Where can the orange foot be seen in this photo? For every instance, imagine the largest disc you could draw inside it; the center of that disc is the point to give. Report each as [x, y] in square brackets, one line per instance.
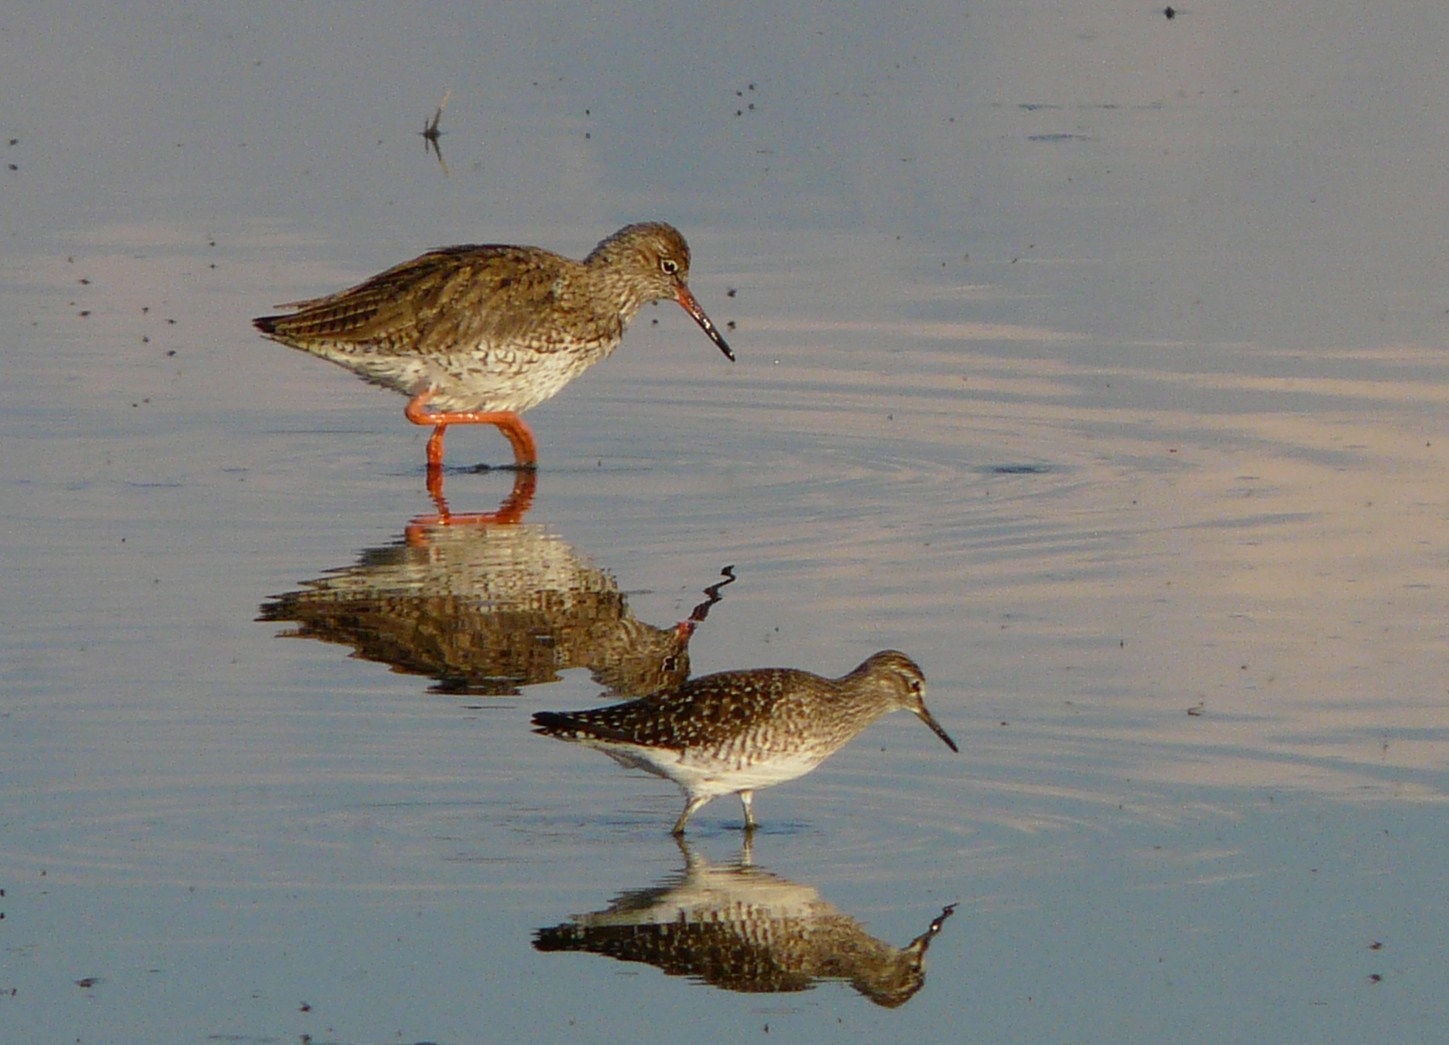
[525, 451]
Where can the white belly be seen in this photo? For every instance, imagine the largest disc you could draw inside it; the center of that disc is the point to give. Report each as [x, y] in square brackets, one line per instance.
[699, 773]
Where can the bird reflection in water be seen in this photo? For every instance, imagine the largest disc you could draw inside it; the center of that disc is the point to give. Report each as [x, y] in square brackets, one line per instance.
[741, 928]
[488, 609]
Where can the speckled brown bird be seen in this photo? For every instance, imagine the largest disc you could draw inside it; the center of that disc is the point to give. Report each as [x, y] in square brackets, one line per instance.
[738, 731]
[478, 334]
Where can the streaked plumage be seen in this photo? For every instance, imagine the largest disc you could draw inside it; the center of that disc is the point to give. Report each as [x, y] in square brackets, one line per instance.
[738, 731]
[478, 334]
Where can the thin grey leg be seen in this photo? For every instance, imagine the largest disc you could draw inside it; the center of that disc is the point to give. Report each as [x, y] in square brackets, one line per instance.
[690, 808]
[747, 799]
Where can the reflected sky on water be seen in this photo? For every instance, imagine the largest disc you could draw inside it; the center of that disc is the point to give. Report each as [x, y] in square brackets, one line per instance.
[1093, 359]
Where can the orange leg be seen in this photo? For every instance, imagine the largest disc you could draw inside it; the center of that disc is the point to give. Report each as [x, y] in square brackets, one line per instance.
[525, 452]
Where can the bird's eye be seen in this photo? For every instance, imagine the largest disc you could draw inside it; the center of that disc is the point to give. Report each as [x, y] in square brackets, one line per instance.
[669, 266]
[916, 686]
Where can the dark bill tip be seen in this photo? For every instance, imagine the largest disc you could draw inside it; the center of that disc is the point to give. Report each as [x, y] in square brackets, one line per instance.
[929, 720]
[692, 307]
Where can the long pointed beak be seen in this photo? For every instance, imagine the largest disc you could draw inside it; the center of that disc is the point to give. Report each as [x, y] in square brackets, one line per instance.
[926, 717]
[692, 307]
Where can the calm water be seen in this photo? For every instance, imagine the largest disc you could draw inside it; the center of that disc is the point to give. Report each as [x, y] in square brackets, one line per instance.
[1090, 357]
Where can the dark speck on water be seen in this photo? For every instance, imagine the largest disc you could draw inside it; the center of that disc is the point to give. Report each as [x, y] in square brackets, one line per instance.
[1019, 469]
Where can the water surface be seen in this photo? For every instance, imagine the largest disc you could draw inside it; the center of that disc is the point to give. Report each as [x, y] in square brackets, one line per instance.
[1091, 358]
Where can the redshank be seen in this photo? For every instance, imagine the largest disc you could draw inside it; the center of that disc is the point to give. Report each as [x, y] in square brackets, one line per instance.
[478, 334]
[738, 731]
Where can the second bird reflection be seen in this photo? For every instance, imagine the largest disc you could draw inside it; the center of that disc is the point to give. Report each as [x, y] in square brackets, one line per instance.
[741, 928]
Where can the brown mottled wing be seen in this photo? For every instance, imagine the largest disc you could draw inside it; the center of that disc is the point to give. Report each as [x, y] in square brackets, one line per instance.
[707, 709]
[441, 300]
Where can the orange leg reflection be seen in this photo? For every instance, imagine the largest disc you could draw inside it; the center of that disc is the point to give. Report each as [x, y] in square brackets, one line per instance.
[512, 510]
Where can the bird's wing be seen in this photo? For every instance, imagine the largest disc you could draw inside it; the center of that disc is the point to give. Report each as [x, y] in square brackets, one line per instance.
[447, 298]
